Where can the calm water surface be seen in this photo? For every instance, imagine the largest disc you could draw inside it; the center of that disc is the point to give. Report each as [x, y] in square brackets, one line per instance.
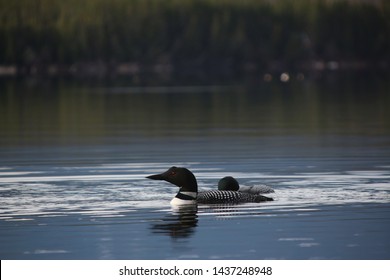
[73, 161]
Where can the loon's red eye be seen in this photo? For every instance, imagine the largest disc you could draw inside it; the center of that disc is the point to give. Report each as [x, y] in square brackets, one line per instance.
[173, 173]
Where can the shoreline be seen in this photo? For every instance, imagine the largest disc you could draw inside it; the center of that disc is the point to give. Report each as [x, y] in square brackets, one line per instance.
[101, 69]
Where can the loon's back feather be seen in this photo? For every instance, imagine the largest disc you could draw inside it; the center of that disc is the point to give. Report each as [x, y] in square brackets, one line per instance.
[217, 196]
[256, 189]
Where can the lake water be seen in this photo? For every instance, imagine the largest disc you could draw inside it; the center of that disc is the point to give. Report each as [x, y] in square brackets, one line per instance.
[73, 161]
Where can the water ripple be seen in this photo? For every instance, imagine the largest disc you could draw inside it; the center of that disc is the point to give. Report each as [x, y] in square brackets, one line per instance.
[123, 188]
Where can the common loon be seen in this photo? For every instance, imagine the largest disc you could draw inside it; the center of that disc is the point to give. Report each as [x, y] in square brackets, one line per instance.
[228, 183]
[188, 193]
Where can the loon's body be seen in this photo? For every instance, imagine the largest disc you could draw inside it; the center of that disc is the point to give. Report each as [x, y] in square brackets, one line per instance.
[217, 196]
[230, 184]
[188, 193]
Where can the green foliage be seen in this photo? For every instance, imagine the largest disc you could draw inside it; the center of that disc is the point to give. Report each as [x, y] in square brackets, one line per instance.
[201, 32]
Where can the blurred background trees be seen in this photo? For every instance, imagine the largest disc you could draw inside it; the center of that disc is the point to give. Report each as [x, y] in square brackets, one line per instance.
[217, 35]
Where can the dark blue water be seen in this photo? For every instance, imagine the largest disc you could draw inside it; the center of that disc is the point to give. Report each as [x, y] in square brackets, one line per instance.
[73, 161]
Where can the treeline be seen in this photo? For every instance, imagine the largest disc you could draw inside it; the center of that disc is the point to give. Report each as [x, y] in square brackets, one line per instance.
[128, 35]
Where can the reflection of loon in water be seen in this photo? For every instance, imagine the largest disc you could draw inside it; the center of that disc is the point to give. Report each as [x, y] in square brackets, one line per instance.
[180, 223]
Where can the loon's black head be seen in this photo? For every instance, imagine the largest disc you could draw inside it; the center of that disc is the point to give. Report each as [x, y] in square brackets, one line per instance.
[179, 176]
[228, 184]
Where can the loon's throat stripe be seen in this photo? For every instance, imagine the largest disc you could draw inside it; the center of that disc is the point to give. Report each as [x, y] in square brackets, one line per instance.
[186, 196]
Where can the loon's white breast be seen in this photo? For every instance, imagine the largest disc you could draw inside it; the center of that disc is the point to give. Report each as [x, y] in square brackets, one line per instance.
[184, 198]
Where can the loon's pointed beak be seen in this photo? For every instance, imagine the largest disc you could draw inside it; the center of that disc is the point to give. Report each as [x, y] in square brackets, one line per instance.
[161, 176]
[165, 176]
[156, 177]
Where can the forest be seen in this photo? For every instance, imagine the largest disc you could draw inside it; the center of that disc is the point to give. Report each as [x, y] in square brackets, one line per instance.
[129, 36]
